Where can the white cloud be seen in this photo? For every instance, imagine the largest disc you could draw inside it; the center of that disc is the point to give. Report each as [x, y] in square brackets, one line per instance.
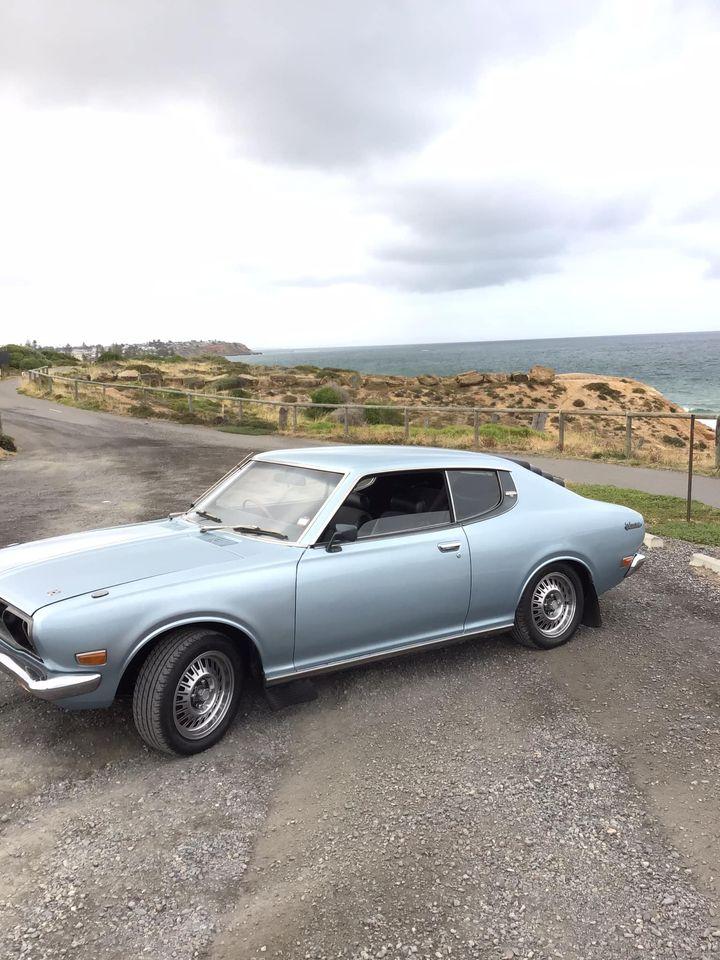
[352, 180]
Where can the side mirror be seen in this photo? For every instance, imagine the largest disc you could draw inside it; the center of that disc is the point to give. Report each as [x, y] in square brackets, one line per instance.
[344, 533]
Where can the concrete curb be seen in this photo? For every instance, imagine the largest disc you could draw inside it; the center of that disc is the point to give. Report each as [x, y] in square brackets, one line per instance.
[652, 542]
[704, 562]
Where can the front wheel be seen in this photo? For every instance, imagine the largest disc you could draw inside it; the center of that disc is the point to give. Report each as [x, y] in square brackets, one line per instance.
[187, 691]
[550, 608]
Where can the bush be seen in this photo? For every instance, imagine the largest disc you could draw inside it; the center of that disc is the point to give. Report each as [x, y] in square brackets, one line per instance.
[27, 358]
[109, 356]
[7, 443]
[389, 416]
[323, 395]
[238, 392]
[229, 383]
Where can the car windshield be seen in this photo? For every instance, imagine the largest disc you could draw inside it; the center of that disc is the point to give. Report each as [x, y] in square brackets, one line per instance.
[275, 497]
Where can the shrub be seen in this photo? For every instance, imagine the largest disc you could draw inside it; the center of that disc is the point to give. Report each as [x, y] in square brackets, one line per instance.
[109, 356]
[7, 443]
[323, 395]
[229, 383]
[673, 441]
[578, 403]
[238, 392]
[390, 416]
[604, 391]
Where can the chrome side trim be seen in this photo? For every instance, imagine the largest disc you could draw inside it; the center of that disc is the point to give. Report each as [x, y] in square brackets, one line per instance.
[386, 654]
[637, 561]
[56, 687]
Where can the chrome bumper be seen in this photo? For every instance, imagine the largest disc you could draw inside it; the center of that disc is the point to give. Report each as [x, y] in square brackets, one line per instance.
[56, 686]
[637, 561]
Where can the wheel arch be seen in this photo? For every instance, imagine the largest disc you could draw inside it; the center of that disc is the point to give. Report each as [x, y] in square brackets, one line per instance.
[591, 605]
[142, 649]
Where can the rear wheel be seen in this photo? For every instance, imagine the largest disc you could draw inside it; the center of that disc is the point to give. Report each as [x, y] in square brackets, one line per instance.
[550, 608]
[187, 691]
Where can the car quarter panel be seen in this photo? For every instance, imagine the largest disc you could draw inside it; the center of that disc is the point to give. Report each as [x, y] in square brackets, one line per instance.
[255, 597]
[548, 523]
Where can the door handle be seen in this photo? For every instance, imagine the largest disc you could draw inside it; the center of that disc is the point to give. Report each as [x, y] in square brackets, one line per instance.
[449, 547]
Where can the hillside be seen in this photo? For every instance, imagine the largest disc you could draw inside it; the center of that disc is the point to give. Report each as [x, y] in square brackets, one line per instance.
[654, 440]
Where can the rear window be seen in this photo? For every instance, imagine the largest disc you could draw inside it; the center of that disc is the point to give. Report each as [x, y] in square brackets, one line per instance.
[474, 492]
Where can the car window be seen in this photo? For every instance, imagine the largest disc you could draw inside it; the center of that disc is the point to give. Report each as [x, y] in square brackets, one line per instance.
[474, 492]
[389, 503]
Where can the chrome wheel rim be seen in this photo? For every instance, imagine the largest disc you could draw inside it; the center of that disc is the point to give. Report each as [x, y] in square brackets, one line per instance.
[203, 695]
[554, 602]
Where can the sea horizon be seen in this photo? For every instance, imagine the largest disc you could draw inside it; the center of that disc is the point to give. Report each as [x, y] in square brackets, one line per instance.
[685, 367]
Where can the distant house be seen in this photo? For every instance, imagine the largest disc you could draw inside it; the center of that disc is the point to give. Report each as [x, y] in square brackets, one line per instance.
[84, 352]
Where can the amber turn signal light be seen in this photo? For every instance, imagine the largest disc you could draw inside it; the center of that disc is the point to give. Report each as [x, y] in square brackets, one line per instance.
[93, 658]
[627, 561]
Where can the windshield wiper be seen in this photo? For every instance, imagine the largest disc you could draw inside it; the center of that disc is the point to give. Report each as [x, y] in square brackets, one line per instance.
[207, 516]
[254, 531]
[258, 531]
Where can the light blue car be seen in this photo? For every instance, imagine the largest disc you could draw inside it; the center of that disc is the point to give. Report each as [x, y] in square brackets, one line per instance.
[300, 562]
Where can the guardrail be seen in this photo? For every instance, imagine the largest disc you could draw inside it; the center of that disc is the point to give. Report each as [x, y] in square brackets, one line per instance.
[289, 418]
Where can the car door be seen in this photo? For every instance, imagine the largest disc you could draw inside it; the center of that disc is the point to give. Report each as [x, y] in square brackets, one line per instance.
[404, 581]
[498, 539]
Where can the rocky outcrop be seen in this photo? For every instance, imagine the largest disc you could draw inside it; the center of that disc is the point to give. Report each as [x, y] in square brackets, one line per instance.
[541, 374]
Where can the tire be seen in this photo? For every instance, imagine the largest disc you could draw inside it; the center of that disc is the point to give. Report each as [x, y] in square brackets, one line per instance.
[187, 691]
[550, 609]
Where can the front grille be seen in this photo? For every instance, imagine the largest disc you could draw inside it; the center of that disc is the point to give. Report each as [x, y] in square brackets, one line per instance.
[15, 629]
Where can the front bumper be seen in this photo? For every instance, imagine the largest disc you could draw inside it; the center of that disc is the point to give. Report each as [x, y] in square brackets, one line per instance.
[637, 561]
[45, 684]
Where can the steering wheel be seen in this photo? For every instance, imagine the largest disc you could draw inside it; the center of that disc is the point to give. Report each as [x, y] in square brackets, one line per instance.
[259, 508]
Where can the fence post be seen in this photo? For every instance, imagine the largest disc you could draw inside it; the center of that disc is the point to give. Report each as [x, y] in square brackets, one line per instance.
[406, 420]
[561, 431]
[75, 388]
[690, 466]
[628, 437]
[294, 416]
[717, 443]
[476, 429]
[346, 429]
[240, 411]
[190, 403]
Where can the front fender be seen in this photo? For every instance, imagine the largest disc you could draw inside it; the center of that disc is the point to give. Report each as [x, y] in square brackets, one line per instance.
[133, 615]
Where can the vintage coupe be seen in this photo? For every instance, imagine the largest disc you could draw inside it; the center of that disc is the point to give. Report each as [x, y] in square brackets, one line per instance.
[299, 562]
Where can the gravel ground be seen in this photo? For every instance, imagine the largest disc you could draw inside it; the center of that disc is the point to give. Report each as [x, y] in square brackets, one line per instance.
[482, 801]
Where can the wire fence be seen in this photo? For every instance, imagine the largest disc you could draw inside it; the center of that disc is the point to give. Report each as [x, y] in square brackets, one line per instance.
[288, 414]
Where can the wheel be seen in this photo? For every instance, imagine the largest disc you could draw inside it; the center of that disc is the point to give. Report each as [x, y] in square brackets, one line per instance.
[550, 608]
[187, 691]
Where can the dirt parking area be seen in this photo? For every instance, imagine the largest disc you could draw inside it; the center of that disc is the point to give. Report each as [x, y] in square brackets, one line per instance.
[483, 801]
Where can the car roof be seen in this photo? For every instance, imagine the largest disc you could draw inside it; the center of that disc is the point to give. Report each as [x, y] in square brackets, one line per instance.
[376, 458]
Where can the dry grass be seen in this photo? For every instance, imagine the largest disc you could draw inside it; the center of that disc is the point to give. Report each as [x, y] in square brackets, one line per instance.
[585, 437]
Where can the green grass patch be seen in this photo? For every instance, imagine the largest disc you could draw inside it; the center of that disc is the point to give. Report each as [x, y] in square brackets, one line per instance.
[253, 428]
[664, 516]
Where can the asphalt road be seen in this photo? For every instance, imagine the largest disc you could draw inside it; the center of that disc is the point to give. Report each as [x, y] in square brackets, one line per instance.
[484, 801]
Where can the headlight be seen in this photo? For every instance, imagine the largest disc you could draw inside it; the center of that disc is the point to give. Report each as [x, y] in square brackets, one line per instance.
[16, 627]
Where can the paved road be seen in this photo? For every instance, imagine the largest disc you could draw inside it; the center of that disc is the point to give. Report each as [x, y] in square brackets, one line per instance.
[482, 802]
[31, 420]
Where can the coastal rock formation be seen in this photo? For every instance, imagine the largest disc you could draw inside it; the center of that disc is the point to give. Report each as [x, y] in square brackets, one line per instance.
[494, 392]
[541, 374]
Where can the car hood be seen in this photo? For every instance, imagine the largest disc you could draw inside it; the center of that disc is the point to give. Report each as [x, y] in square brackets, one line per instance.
[33, 575]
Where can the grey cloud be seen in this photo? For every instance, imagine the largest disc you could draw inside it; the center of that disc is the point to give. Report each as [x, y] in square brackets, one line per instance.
[461, 236]
[318, 82]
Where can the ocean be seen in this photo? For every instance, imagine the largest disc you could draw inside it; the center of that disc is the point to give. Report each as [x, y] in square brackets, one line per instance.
[683, 366]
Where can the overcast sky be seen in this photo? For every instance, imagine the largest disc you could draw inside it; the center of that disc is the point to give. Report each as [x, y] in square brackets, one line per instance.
[327, 172]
